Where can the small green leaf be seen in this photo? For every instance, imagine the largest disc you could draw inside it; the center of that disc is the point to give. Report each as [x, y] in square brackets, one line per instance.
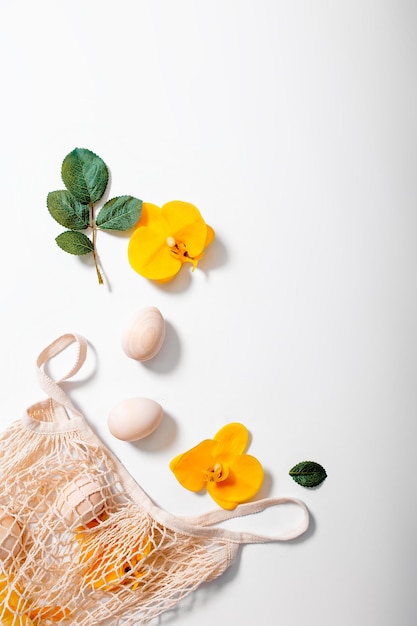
[119, 213]
[85, 175]
[67, 211]
[74, 242]
[308, 473]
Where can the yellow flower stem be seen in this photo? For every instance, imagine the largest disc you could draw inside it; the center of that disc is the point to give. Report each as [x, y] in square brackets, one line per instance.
[93, 238]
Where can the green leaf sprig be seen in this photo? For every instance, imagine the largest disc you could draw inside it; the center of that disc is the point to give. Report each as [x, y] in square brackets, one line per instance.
[308, 473]
[86, 176]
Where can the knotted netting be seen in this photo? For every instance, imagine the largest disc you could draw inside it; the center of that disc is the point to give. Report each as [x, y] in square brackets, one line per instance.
[80, 541]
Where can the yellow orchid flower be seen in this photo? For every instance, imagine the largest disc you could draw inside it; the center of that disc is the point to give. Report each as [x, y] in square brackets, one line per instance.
[220, 465]
[167, 237]
[12, 605]
[17, 611]
[110, 570]
[108, 566]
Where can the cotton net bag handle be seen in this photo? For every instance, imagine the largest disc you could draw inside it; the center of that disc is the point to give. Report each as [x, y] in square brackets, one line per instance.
[51, 387]
[217, 516]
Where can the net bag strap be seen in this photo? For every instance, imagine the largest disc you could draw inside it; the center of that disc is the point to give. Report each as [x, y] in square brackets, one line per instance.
[215, 517]
[51, 387]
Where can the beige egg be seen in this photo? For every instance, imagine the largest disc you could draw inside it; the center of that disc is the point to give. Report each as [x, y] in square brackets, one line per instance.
[10, 535]
[134, 418]
[81, 501]
[144, 335]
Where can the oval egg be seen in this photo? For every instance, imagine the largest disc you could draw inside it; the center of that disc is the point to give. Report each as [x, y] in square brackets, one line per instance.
[134, 418]
[10, 535]
[81, 501]
[144, 335]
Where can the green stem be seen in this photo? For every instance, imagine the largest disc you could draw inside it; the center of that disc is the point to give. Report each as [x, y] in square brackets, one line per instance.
[93, 239]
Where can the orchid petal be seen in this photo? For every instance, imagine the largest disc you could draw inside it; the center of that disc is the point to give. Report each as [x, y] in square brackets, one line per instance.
[152, 216]
[209, 236]
[186, 225]
[232, 440]
[216, 494]
[189, 468]
[150, 256]
[244, 480]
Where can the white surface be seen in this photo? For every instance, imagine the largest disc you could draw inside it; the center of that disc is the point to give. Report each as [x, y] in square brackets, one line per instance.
[292, 126]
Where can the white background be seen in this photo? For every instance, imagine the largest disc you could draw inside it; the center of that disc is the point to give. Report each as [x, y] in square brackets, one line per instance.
[292, 126]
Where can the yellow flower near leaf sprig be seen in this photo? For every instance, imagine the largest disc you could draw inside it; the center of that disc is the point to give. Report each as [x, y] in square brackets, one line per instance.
[221, 465]
[165, 238]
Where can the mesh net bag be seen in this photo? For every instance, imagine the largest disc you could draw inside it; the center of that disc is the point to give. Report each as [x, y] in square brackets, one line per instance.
[80, 541]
